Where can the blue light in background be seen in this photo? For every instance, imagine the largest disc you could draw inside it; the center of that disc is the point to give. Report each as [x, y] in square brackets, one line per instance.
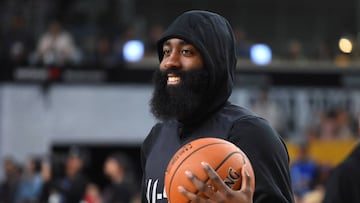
[260, 54]
[133, 50]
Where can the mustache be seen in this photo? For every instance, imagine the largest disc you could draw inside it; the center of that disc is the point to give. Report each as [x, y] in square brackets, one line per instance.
[182, 73]
[172, 70]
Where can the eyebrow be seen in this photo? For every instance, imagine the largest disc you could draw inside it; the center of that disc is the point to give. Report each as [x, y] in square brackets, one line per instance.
[182, 42]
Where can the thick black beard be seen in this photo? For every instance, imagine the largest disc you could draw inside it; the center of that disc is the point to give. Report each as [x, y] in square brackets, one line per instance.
[182, 101]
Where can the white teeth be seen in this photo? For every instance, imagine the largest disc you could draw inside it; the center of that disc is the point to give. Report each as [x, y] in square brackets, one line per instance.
[173, 80]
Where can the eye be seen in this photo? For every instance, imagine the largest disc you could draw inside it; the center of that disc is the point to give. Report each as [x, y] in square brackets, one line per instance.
[186, 52]
[166, 52]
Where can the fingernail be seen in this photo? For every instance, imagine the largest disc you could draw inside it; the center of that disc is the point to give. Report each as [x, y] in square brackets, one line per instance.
[246, 171]
[205, 165]
[181, 189]
[189, 174]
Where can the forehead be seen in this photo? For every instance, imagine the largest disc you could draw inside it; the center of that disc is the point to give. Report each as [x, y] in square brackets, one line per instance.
[175, 41]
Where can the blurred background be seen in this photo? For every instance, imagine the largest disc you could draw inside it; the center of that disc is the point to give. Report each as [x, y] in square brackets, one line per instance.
[76, 82]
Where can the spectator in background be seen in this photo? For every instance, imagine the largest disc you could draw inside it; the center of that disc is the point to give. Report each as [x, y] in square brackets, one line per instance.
[56, 47]
[17, 43]
[118, 169]
[242, 44]
[136, 198]
[343, 184]
[155, 32]
[269, 110]
[119, 42]
[47, 187]
[9, 186]
[324, 51]
[311, 133]
[343, 124]
[31, 182]
[295, 50]
[336, 123]
[92, 194]
[303, 172]
[327, 125]
[72, 187]
[104, 56]
[317, 194]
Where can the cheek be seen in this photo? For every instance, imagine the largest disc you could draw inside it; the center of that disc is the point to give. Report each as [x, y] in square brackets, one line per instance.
[162, 65]
[193, 64]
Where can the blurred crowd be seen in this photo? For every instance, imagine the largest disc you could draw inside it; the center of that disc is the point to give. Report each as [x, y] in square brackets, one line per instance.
[58, 45]
[331, 125]
[308, 177]
[315, 182]
[325, 123]
[41, 181]
[45, 180]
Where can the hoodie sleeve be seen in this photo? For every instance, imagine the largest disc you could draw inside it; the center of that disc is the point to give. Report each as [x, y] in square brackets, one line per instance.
[337, 186]
[145, 150]
[269, 158]
[343, 184]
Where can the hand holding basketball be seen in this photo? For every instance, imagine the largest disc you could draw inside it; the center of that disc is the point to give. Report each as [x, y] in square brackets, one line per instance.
[223, 192]
[209, 170]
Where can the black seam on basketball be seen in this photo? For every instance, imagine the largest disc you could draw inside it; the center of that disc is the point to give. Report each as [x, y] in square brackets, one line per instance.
[172, 177]
[227, 157]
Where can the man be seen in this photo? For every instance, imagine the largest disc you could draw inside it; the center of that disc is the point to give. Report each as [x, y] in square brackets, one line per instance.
[303, 171]
[118, 169]
[73, 185]
[10, 184]
[343, 184]
[192, 87]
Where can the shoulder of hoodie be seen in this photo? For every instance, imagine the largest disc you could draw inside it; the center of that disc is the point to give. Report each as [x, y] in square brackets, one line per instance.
[152, 136]
[246, 125]
[350, 164]
[259, 140]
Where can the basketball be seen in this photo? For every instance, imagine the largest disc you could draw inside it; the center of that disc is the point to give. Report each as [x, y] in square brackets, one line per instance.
[223, 156]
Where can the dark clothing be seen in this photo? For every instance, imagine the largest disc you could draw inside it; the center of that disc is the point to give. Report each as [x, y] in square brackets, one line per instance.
[72, 190]
[119, 193]
[17, 44]
[8, 191]
[343, 184]
[46, 191]
[212, 35]
[252, 134]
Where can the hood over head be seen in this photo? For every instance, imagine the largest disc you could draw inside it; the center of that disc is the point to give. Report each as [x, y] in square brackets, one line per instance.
[213, 36]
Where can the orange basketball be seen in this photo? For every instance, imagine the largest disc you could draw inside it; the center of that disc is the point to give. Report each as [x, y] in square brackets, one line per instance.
[224, 157]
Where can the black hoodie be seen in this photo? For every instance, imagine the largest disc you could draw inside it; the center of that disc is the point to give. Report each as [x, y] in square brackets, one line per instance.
[212, 35]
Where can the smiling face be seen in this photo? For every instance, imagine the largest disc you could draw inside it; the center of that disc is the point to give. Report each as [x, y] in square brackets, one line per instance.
[181, 81]
[180, 55]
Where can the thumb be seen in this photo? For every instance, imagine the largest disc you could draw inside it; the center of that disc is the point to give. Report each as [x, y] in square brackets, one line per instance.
[246, 179]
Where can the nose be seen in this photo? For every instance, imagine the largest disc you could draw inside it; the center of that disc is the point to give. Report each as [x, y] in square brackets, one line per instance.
[172, 61]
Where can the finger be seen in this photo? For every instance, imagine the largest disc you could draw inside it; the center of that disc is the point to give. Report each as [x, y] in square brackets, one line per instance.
[212, 193]
[198, 183]
[246, 180]
[215, 178]
[208, 190]
[191, 196]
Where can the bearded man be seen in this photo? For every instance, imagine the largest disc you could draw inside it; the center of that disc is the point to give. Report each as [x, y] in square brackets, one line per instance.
[190, 100]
